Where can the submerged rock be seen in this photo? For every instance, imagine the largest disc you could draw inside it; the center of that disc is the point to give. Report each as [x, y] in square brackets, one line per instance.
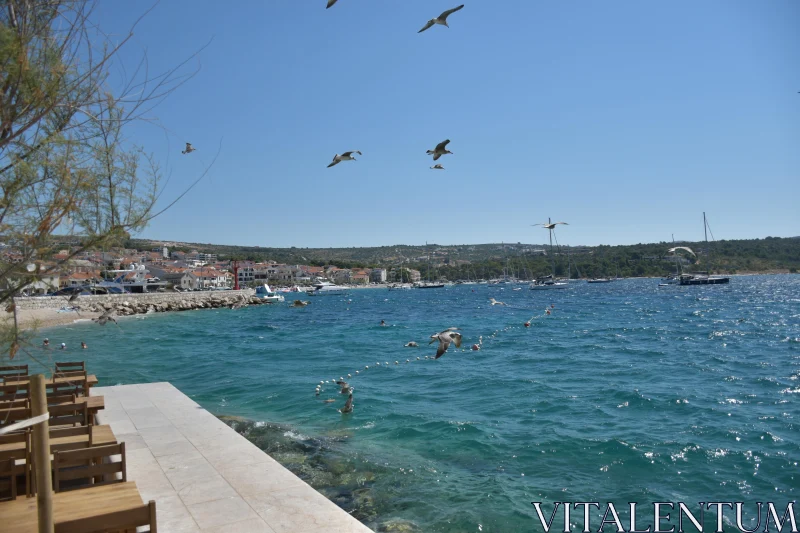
[398, 525]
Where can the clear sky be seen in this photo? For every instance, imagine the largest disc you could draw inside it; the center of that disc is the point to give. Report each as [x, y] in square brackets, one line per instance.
[625, 118]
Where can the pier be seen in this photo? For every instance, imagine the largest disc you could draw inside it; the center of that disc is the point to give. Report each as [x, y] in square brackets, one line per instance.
[203, 475]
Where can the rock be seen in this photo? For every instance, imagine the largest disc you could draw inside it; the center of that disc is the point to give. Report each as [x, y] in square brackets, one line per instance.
[398, 525]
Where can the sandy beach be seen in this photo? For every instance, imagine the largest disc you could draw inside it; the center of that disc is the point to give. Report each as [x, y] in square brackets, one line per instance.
[29, 319]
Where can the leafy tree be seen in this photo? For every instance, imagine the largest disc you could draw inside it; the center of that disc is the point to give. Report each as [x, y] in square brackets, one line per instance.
[65, 167]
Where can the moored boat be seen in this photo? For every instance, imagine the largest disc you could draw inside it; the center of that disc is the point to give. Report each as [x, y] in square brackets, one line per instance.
[263, 292]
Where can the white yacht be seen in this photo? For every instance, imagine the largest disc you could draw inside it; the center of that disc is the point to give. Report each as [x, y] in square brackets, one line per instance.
[547, 283]
[327, 288]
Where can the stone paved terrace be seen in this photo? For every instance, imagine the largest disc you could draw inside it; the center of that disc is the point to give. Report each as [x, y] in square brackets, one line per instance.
[203, 475]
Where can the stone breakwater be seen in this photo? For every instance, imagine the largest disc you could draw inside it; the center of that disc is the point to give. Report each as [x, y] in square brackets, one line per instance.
[132, 304]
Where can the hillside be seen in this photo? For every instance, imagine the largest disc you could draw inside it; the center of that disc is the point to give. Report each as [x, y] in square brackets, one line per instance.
[524, 260]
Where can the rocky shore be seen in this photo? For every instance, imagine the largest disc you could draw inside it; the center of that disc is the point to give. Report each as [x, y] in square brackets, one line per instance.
[48, 311]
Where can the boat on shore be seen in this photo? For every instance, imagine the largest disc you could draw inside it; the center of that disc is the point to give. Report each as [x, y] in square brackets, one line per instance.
[263, 292]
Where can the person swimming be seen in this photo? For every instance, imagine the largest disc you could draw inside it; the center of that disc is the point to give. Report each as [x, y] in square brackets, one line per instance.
[383, 323]
[63, 345]
[46, 342]
[83, 345]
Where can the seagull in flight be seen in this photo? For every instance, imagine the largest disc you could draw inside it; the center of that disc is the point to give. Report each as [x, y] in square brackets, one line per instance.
[445, 338]
[440, 150]
[105, 317]
[550, 225]
[345, 386]
[441, 19]
[330, 3]
[495, 302]
[347, 156]
[189, 149]
[437, 166]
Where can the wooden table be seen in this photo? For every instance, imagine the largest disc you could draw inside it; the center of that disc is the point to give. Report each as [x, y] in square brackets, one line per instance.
[73, 507]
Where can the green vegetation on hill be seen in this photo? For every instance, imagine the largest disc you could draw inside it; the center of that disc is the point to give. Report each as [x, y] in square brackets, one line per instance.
[454, 262]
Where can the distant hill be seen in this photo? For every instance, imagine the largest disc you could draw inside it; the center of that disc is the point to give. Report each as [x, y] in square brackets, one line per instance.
[468, 261]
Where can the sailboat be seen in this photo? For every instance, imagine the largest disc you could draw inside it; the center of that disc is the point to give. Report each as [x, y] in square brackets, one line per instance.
[703, 278]
[428, 284]
[549, 282]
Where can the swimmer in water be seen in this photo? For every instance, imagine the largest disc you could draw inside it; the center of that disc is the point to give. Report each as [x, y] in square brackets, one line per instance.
[83, 345]
[46, 342]
[547, 311]
[383, 323]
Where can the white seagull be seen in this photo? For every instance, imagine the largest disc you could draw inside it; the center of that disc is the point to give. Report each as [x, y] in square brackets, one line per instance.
[441, 19]
[440, 150]
[347, 156]
[437, 166]
[550, 225]
[189, 149]
[445, 338]
[495, 302]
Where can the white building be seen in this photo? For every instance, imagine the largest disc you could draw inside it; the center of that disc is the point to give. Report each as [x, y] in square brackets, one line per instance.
[205, 278]
[378, 275]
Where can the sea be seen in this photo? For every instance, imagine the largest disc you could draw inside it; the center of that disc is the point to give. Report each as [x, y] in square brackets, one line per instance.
[626, 392]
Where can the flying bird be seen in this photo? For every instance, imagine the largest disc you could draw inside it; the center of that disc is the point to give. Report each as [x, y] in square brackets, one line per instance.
[445, 338]
[550, 225]
[348, 406]
[241, 303]
[437, 166]
[189, 149]
[105, 317]
[330, 3]
[347, 156]
[440, 150]
[441, 19]
[345, 386]
[672, 250]
[495, 302]
[411, 344]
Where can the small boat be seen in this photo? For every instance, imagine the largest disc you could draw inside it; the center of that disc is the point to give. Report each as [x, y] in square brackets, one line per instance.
[428, 285]
[263, 292]
[547, 282]
[702, 278]
[325, 288]
[599, 280]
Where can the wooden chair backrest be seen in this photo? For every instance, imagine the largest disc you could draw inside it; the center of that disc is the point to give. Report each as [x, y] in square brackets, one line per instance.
[87, 464]
[8, 480]
[67, 366]
[10, 458]
[12, 401]
[69, 414]
[77, 383]
[130, 519]
[55, 399]
[13, 371]
[64, 432]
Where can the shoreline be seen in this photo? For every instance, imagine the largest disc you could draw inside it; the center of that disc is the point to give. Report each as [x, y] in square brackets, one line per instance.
[34, 319]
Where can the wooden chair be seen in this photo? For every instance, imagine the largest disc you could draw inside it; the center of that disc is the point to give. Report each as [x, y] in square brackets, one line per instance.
[77, 383]
[128, 520]
[69, 414]
[70, 366]
[55, 399]
[21, 441]
[93, 466]
[13, 371]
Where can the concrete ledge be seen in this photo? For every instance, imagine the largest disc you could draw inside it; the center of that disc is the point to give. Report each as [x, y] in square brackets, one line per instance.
[149, 298]
[204, 476]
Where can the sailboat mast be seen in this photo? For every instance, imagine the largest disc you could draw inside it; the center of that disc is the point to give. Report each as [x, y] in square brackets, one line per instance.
[552, 257]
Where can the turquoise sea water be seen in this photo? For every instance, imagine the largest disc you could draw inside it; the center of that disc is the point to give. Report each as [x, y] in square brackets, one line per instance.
[627, 392]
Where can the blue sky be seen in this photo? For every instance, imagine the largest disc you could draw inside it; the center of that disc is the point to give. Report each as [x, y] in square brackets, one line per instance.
[626, 119]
